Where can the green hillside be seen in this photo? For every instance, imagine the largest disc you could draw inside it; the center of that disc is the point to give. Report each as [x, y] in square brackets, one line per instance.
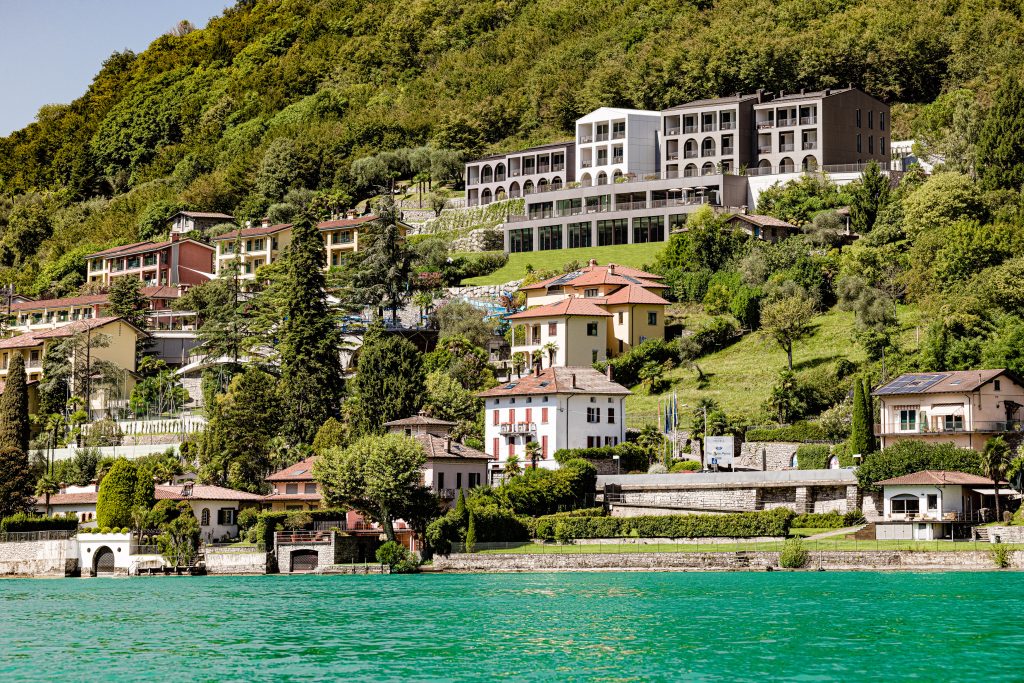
[281, 95]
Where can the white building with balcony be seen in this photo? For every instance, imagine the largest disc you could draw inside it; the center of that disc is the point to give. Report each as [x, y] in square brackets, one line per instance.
[559, 407]
[612, 142]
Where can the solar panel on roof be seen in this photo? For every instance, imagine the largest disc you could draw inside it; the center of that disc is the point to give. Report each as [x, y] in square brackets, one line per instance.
[544, 384]
[912, 384]
[511, 385]
[568, 277]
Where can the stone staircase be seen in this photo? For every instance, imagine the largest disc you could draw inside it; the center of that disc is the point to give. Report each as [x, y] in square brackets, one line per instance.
[865, 533]
[981, 534]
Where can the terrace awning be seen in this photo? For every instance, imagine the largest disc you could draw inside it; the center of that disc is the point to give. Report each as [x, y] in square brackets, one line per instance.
[943, 409]
[992, 492]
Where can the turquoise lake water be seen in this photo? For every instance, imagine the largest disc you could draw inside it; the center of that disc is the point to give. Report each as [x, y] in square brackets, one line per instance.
[558, 627]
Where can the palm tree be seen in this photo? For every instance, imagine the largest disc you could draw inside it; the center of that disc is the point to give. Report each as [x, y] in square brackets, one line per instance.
[512, 466]
[47, 486]
[994, 461]
[551, 348]
[519, 363]
[533, 453]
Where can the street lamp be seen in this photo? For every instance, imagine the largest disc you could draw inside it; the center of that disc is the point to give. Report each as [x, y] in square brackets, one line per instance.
[616, 459]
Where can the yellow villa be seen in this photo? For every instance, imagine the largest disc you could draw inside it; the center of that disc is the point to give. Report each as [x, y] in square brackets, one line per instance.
[110, 341]
[589, 315]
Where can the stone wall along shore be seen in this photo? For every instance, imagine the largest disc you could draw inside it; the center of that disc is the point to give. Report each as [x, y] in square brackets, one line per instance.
[39, 558]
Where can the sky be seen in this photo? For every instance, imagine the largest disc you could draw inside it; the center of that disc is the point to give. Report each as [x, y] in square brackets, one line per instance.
[51, 49]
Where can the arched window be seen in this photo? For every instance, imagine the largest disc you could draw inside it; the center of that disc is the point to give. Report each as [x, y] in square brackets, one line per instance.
[833, 462]
[513, 190]
[499, 193]
[690, 171]
[690, 149]
[204, 518]
[793, 462]
[586, 180]
[486, 175]
[616, 175]
[485, 196]
[765, 164]
[556, 183]
[602, 178]
[905, 504]
[542, 184]
[787, 165]
[528, 187]
[707, 147]
[809, 163]
[708, 169]
[499, 173]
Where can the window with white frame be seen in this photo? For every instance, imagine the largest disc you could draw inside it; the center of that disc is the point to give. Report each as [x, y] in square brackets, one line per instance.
[905, 504]
[908, 418]
[226, 516]
[593, 415]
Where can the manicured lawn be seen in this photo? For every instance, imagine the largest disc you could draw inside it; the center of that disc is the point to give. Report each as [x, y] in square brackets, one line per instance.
[635, 255]
[740, 377]
[839, 543]
[807, 532]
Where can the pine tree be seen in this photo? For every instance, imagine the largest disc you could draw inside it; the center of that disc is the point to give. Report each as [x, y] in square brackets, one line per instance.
[1000, 147]
[471, 533]
[16, 485]
[384, 270]
[857, 441]
[311, 380]
[125, 300]
[14, 424]
[869, 198]
[389, 382]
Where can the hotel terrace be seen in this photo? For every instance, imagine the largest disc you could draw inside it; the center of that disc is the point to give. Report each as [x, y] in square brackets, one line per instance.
[643, 172]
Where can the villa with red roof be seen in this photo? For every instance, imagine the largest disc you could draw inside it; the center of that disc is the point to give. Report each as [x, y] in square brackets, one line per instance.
[589, 315]
[46, 314]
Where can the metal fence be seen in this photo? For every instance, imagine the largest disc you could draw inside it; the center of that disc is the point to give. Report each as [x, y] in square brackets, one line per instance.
[24, 536]
[228, 548]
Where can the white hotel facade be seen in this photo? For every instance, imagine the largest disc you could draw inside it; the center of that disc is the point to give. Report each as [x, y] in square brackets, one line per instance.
[633, 176]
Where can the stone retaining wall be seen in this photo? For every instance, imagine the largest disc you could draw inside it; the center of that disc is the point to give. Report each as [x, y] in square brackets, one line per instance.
[481, 239]
[778, 455]
[39, 558]
[836, 560]
[1006, 534]
[236, 562]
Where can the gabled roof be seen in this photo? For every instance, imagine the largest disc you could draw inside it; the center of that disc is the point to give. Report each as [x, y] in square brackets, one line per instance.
[300, 471]
[634, 294]
[595, 274]
[205, 214]
[441, 447]
[252, 232]
[36, 338]
[418, 420]
[762, 221]
[936, 478]
[345, 222]
[559, 380]
[568, 306]
[731, 99]
[528, 150]
[203, 492]
[85, 299]
[941, 382]
[815, 94]
[143, 247]
[161, 292]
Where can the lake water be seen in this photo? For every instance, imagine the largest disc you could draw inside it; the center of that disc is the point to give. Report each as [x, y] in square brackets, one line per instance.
[559, 627]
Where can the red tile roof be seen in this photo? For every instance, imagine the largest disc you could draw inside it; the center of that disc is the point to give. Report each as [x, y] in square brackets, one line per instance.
[310, 497]
[936, 478]
[162, 292]
[595, 274]
[142, 247]
[36, 338]
[634, 294]
[416, 420]
[559, 380]
[567, 306]
[204, 492]
[205, 214]
[69, 498]
[85, 299]
[345, 222]
[252, 232]
[439, 447]
[762, 220]
[300, 471]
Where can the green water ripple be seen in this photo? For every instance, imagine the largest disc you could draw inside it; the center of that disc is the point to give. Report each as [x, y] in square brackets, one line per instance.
[545, 627]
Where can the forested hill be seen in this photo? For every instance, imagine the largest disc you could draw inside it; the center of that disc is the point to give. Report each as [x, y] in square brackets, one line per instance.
[282, 94]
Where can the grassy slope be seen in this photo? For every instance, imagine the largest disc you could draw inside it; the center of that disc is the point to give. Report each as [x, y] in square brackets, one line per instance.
[636, 255]
[740, 377]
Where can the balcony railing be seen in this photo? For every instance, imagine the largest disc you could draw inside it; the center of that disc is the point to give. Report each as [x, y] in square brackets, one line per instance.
[810, 145]
[586, 164]
[672, 131]
[601, 137]
[727, 150]
[782, 123]
[618, 135]
[518, 428]
[763, 125]
[586, 138]
[728, 125]
[630, 206]
[708, 128]
[448, 494]
[707, 152]
[558, 167]
[808, 120]
[302, 537]
[690, 129]
[786, 147]
[975, 516]
[672, 156]
[980, 426]
[690, 154]
[617, 160]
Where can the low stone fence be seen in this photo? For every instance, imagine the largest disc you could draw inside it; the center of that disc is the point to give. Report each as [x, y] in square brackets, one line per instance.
[223, 561]
[671, 561]
[49, 558]
[1006, 534]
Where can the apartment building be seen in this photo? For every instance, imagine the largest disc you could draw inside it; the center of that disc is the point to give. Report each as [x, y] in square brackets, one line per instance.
[559, 407]
[188, 221]
[589, 315]
[46, 314]
[177, 261]
[514, 175]
[640, 174]
[117, 350]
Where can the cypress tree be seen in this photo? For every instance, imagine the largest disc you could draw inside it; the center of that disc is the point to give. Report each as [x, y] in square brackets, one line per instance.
[471, 533]
[311, 380]
[1000, 149]
[857, 442]
[869, 415]
[16, 484]
[460, 508]
[14, 424]
[869, 198]
[117, 495]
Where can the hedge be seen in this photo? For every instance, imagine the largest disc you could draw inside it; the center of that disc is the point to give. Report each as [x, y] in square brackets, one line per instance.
[799, 432]
[827, 520]
[24, 522]
[816, 456]
[738, 525]
[631, 456]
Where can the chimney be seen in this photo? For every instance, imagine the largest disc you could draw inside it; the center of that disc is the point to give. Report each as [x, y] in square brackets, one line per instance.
[265, 222]
[803, 91]
[536, 367]
[186, 490]
[593, 262]
[609, 372]
[351, 213]
[175, 236]
[572, 380]
[782, 93]
[611, 269]
[828, 91]
[448, 445]
[760, 95]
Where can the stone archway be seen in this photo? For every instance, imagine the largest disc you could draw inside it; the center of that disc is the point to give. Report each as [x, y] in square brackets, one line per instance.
[304, 560]
[103, 561]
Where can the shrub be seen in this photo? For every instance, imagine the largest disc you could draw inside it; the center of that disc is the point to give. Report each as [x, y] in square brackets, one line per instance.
[905, 457]
[737, 525]
[1000, 554]
[397, 558]
[854, 517]
[793, 555]
[631, 456]
[626, 369]
[798, 432]
[685, 466]
[563, 534]
[117, 494]
[22, 521]
[543, 491]
[657, 468]
[813, 456]
[715, 334]
[246, 518]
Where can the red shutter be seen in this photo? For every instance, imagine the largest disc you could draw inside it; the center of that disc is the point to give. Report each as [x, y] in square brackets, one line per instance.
[544, 446]
[544, 415]
[512, 415]
[512, 448]
[496, 446]
[496, 417]
[529, 414]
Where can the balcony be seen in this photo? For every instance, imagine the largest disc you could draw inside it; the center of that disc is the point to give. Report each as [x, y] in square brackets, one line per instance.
[302, 537]
[782, 123]
[764, 125]
[618, 135]
[616, 160]
[707, 153]
[512, 428]
[728, 125]
[808, 120]
[586, 164]
[672, 131]
[728, 150]
[975, 516]
[810, 144]
[708, 128]
[601, 137]
[690, 154]
[448, 494]
[787, 147]
[978, 427]
[672, 156]
[764, 150]
[557, 167]
[586, 138]
[690, 129]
